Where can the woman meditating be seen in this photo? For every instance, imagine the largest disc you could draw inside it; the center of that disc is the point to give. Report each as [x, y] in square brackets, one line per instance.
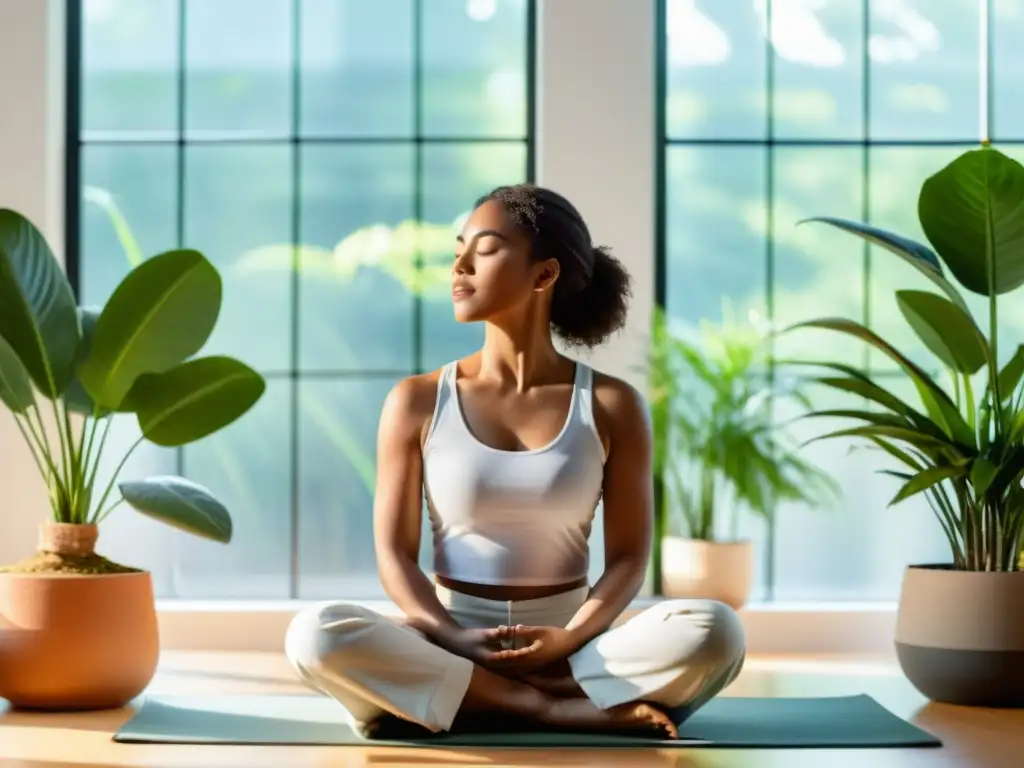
[513, 448]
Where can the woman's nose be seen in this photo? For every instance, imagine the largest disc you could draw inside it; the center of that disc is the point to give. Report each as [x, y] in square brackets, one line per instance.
[463, 264]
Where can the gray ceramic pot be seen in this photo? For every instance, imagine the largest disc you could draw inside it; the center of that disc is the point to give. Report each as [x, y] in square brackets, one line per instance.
[960, 635]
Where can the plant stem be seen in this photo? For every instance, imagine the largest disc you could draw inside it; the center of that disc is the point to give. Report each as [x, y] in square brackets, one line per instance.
[943, 511]
[31, 445]
[993, 329]
[88, 436]
[100, 517]
[95, 460]
[43, 444]
[113, 477]
[65, 459]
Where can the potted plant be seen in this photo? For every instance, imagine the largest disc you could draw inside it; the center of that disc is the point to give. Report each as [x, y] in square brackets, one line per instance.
[960, 627]
[77, 630]
[718, 449]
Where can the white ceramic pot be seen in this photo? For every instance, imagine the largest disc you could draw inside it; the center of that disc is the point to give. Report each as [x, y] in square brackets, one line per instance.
[715, 570]
[960, 635]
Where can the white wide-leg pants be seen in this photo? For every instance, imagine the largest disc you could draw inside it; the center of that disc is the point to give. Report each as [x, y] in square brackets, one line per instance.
[678, 654]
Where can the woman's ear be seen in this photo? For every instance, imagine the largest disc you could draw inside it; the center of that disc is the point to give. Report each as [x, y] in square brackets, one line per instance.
[546, 275]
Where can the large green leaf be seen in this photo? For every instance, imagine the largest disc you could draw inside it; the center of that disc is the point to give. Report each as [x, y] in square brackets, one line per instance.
[920, 256]
[983, 472]
[15, 384]
[905, 434]
[181, 504]
[162, 313]
[194, 399]
[924, 480]
[1009, 376]
[949, 332]
[940, 407]
[974, 203]
[37, 306]
[897, 453]
[871, 417]
[871, 391]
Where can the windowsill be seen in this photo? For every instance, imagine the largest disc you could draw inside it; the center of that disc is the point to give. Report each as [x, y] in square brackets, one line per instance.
[386, 606]
[776, 628]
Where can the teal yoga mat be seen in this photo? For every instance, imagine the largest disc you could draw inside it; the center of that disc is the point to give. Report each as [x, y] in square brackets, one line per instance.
[845, 721]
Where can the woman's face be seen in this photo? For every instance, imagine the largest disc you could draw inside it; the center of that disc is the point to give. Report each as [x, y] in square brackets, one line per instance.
[494, 273]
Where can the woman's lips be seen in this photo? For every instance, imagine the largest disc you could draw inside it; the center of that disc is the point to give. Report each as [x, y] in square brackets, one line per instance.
[461, 292]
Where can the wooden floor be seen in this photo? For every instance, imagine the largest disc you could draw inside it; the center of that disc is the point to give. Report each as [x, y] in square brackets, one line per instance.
[974, 738]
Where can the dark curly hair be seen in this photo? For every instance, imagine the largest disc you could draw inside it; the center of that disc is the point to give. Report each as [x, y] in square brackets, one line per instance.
[593, 288]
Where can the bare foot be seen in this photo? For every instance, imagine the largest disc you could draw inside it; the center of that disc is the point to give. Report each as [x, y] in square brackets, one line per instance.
[640, 714]
[634, 716]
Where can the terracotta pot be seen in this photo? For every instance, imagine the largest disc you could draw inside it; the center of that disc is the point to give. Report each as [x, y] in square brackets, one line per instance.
[71, 642]
[960, 635]
[715, 570]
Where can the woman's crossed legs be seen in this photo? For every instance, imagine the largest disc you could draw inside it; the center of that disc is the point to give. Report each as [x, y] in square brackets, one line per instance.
[676, 655]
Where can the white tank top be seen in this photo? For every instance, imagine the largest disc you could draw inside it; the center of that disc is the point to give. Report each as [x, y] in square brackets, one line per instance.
[512, 517]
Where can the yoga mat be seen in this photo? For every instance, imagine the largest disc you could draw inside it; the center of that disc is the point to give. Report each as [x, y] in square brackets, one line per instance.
[845, 721]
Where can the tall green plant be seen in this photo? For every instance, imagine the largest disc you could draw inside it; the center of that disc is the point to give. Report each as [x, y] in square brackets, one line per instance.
[718, 447]
[76, 367]
[962, 445]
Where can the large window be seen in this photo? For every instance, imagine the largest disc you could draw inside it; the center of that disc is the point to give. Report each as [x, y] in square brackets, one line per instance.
[321, 153]
[776, 110]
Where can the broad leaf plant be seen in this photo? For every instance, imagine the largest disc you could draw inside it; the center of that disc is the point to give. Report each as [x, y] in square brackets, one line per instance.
[962, 446]
[66, 371]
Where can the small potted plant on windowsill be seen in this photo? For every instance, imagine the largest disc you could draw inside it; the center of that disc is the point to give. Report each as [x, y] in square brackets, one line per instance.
[77, 630]
[960, 626]
[719, 451]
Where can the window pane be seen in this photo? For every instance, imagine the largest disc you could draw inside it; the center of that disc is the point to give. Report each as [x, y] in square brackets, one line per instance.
[357, 211]
[716, 218]
[1008, 76]
[237, 199]
[246, 467]
[453, 178]
[711, 43]
[357, 68]
[337, 460]
[860, 546]
[818, 78]
[127, 188]
[130, 67]
[474, 68]
[819, 270]
[239, 67]
[924, 69]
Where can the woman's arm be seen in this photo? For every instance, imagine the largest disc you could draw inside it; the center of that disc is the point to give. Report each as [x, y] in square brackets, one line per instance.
[628, 507]
[398, 507]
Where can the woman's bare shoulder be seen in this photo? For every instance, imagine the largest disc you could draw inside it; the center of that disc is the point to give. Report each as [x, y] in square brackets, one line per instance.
[617, 395]
[413, 395]
[619, 407]
[409, 405]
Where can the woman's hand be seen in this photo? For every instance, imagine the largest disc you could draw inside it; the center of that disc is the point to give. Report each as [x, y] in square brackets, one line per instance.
[535, 647]
[490, 648]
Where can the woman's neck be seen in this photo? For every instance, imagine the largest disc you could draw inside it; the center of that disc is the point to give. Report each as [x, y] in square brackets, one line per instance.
[522, 353]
